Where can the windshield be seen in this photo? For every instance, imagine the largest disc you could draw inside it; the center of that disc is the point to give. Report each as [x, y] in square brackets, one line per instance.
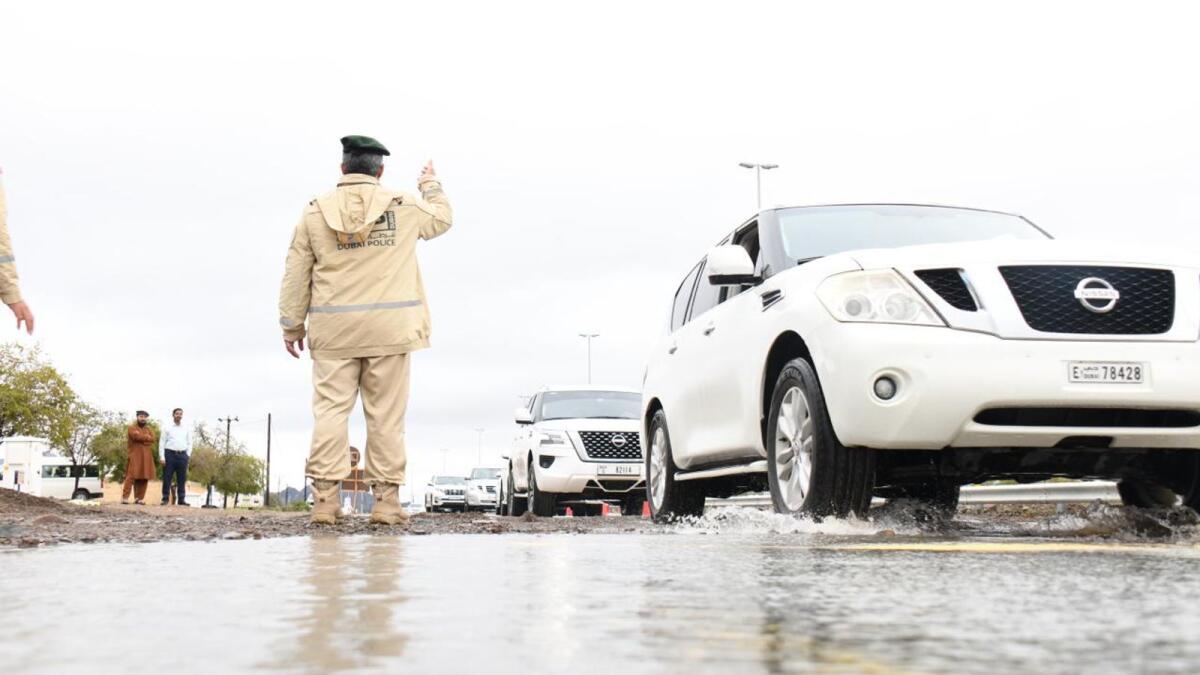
[813, 232]
[449, 480]
[616, 405]
[484, 474]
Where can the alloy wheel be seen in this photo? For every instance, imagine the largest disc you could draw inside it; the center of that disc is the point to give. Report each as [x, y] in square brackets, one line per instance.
[658, 468]
[793, 448]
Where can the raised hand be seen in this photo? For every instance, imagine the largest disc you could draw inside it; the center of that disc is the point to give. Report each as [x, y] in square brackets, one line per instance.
[427, 173]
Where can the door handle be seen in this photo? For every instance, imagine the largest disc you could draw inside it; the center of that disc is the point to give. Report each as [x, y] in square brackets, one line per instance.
[672, 349]
[708, 330]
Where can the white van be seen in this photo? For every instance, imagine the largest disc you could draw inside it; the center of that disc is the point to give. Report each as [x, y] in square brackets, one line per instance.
[32, 466]
[58, 480]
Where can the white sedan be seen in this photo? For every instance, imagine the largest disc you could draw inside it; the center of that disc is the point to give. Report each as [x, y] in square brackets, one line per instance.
[836, 353]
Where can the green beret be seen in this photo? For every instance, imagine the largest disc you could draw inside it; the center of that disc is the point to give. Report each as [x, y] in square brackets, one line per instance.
[363, 145]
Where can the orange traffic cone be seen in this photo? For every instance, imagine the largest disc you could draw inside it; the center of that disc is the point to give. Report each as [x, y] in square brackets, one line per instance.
[569, 513]
[646, 509]
[604, 509]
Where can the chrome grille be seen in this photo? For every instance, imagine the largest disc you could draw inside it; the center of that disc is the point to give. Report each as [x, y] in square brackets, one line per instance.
[1045, 294]
[600, 445]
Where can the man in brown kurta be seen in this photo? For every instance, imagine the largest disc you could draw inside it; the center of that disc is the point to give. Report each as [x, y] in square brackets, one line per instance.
[140, 468]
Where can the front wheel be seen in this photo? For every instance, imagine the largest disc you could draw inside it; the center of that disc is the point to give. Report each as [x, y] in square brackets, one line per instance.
[542, 504]
[1145, 494]
[669, 499]
[81, 495]
[631, 505]
[808, 469]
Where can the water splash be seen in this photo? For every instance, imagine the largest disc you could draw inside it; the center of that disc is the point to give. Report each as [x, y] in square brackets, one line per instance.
[741, 520]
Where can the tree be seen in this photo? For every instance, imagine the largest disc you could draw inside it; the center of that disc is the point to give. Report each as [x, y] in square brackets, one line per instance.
[215, 463]
[35, 399]
[78, 427]
[242, 474]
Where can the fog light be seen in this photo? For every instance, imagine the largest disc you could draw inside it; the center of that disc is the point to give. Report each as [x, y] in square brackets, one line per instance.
[546, 461]
[885, 388]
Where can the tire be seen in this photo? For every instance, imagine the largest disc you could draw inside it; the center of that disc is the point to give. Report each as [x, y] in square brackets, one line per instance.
[81, 495]
[1144, 494]
[543, 504]
[808, 470]
[939, 495]
[516, 505]
[631, 505]
[669, 500]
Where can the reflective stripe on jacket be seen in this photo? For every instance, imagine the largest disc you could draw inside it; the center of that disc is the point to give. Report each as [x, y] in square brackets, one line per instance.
[352, 270]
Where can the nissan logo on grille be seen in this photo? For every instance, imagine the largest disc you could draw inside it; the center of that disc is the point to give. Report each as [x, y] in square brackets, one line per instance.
[1097, 295]
[618, 441]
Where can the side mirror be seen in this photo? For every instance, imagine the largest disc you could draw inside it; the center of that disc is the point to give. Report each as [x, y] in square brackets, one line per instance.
[522, 416]
[730, 265]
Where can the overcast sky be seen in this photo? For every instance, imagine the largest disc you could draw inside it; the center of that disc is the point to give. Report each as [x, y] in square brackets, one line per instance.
[157, 157]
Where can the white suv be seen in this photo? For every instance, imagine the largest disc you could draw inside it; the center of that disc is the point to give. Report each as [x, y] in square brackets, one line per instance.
[446, 493]
[833, 353]
[575, 443]
[483, 486]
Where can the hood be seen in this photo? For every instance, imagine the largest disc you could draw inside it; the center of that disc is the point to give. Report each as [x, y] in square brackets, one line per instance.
[589, 424]
[354, 206]
[1017, 251]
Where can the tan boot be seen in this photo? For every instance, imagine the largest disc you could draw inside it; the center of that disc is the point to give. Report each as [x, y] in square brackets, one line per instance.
[326, 509]
[387, 509]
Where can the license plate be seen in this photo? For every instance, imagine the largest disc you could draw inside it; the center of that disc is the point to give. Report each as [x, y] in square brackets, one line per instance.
[619, 470]
[1107, 372]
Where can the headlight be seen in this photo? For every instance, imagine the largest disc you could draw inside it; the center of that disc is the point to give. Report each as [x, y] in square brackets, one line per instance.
[552, 438]
[877, 296]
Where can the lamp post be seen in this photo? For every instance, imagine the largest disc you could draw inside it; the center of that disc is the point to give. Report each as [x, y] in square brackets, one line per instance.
[228, 420]
[758, 169]
[588, 337]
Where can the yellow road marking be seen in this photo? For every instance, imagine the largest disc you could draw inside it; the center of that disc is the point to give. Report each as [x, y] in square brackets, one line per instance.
[1016, 547]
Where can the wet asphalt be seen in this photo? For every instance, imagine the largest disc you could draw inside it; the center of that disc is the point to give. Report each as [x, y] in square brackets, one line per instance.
[738, 591]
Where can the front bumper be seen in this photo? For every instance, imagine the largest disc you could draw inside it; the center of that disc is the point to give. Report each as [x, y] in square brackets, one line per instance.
[447, 500]
[481, 499]
[568, 474]
[946, 377]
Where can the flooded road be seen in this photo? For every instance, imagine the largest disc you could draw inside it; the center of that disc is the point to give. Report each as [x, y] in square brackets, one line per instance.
[755, 594]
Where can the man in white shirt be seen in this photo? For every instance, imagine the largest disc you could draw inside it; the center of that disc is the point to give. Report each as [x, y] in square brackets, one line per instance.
[174, 448]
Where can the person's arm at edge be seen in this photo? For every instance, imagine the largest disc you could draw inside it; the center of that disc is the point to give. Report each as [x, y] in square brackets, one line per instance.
[10, 291]
[295, 292]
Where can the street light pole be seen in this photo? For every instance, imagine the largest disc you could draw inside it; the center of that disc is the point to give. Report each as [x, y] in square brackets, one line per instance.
[758, 169]
[228, 420]
[589, 337]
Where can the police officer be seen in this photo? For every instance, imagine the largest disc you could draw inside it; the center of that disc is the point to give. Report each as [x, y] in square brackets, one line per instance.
[10, 293]
[352, 274]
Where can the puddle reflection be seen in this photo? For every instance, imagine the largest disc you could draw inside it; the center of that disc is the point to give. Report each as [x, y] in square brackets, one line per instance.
[346, 616]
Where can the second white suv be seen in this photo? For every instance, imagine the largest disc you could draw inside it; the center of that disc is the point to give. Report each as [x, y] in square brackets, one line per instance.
[578, 442]
[482, 487]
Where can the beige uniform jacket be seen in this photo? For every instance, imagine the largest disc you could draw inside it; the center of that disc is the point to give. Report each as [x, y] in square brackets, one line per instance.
[352, 269]
[9, 291]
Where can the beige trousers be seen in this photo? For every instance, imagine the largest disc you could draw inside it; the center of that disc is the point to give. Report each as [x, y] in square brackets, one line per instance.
[383, 382]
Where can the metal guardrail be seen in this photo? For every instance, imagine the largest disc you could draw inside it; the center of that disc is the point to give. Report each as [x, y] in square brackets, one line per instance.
[1079, 492]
